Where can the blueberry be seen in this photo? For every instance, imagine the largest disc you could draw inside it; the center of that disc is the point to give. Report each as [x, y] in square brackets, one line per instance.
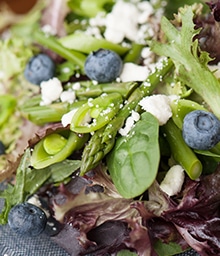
[39, 68]
[201, 130]
[2, 148]
[27, 219]
[53, 226]
[103, 66]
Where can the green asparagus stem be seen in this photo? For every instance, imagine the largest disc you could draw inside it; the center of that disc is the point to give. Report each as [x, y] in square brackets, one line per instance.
[53, 44]
[101, 110]
[134, 53]
[49, 113]
[180, 151]
[89, 90]
[103, 140]
[33, 111]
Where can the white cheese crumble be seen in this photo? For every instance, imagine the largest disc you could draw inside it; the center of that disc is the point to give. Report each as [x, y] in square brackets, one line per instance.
[122, 22]
[173, 181]
[129, 123]
[76, 86]
[68, 96]
[50, 90]
[133, 72]
[67, 118]
[159, 106]
[146, 11]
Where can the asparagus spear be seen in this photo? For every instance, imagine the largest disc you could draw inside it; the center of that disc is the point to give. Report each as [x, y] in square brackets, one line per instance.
[103, 140]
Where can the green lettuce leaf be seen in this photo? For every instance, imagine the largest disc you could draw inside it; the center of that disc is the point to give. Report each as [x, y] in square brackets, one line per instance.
[89, 8]
[190, 61]
[29, 180]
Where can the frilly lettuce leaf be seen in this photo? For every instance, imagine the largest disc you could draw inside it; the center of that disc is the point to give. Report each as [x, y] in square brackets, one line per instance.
[13, 58]
[29, 180]
[190, 61]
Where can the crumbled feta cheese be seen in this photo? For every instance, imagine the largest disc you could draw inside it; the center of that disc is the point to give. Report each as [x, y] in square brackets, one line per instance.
[146, 11]
[98, 20]
[76, 86]
[50, 90]
[130, 121]
[173, 181]
[148, 57]
[67, 118]
[133, 20]
[159, 106]
[122, 22]
[133, 72]
[68, 96]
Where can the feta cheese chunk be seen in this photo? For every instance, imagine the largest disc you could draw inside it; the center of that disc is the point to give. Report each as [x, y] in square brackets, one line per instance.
[50, 90]
[173, 181]
[129, 123]
[133, 72]
[159, 106]
[122, 22]
[67, 118]
[68, 96]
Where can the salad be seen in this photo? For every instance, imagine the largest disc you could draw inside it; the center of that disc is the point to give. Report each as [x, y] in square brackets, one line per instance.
[110, 126]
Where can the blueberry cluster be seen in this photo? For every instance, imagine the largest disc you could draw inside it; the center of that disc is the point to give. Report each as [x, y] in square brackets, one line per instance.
[103, 66]
[201, 130]
[2, 148]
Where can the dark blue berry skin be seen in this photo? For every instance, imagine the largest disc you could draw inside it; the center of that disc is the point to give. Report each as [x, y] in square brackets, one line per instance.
[27, 219]
[52, 227]
[2, 148]
[103, 66]
[39, 68]
[201, 130]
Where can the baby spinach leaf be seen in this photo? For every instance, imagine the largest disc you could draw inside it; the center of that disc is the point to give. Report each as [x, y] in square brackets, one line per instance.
[126, 253]
[133, 162]
[167, 249]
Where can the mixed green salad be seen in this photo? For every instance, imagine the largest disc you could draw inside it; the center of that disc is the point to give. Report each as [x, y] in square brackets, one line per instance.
[94, 99]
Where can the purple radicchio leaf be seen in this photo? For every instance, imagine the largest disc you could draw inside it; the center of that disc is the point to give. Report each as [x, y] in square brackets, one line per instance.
[96, 214]
[197, 215]
[208, 37]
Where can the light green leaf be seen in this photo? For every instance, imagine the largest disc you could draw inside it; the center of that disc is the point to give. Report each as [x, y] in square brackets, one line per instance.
[133, 162]
[126, 253]
[86, 43]
[189, 60]
[167, 249]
